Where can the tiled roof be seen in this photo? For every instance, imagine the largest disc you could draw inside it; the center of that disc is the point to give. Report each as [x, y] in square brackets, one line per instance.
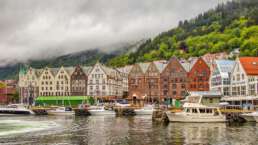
[38, 72]
[187, 65]
[54, 71]
[144, 66]
[160, 65]
[250, 65]
[225, 66]
[125, 69]
[69, 70]
[86, 69]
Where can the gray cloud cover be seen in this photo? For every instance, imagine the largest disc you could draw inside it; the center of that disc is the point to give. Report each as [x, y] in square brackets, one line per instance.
[33, 29]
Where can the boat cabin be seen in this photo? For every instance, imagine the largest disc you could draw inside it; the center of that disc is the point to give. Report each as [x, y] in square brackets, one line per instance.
[208, 98]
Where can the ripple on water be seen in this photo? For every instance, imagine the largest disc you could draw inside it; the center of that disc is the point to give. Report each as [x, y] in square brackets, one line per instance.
[10, 127]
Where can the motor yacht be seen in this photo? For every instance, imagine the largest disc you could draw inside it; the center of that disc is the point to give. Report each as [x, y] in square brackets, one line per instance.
[13, 109]
[194, 112]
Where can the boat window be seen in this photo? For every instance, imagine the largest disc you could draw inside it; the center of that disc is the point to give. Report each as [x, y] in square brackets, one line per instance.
[208, 110]
[187, 110]
[195, 110]
[202, 110]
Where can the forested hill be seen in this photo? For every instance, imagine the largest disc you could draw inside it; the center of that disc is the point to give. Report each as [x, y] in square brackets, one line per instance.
[230, 25]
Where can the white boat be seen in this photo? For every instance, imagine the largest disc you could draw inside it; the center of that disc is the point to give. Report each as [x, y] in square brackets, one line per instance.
[61, 111]
[100, 111]
[146, 110]
[250, 117]
[194, 112]
[14, 109]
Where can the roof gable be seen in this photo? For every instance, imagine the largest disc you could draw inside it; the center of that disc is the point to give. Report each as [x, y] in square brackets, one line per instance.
[174, 64]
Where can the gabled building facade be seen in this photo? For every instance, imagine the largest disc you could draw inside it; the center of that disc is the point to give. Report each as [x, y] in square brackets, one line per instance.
[29, 84]
[152, 81]
[244, 79]
[199, 76]
[62, 82]
[136, 81]
[104, 81]
[47, 84]
[79, 81]
[174, 82]
[124, 72]
[221, 77]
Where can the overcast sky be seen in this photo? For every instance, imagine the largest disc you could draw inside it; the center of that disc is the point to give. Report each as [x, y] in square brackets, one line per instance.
[33, 29]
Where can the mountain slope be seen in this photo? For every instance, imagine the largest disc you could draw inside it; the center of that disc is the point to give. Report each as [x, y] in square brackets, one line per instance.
[229, 26]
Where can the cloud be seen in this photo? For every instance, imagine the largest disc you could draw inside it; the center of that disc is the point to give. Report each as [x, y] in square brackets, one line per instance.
[35, 29]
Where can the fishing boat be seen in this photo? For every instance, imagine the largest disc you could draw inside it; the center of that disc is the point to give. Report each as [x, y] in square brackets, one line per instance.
[61, 111]
[146, 110]
[100, 110]
[197, 113]
[14, 109]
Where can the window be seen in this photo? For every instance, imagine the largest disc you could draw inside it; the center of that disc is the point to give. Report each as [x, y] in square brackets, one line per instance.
[195, 110]
[174, 86]
[103, 87]
[202, 110]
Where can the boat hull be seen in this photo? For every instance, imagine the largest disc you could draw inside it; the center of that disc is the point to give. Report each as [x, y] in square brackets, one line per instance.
[256, 118]
[16, 112]
[101, 112]
[180, 117]
[60, 113]
[143, 112]
[248, 118]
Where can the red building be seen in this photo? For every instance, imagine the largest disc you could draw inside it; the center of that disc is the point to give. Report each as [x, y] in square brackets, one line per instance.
[199, 76]
[7, 89]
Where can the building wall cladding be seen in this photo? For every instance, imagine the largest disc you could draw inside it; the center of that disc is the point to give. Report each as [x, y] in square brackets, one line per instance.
[174, 82]
[79, 82]
[152, 82]
[199, 76]
[136, 82]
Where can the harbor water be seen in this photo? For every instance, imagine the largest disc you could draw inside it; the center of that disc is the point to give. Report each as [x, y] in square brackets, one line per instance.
[138, 130]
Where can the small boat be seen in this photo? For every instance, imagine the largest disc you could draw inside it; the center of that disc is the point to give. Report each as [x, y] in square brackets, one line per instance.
[100, 111]
[250, 117]
[194, 112]
[146, 110]
[61, 111]
[14, 109]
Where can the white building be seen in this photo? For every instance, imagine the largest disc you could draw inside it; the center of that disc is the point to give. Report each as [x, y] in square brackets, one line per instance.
[63, 81]
[244, 79]
[124, 72]
[29, 84]
[47, 83]
[104, 81]
[221, 75]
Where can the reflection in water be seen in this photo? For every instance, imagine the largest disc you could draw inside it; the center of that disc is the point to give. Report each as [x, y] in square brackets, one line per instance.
[99, 130]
